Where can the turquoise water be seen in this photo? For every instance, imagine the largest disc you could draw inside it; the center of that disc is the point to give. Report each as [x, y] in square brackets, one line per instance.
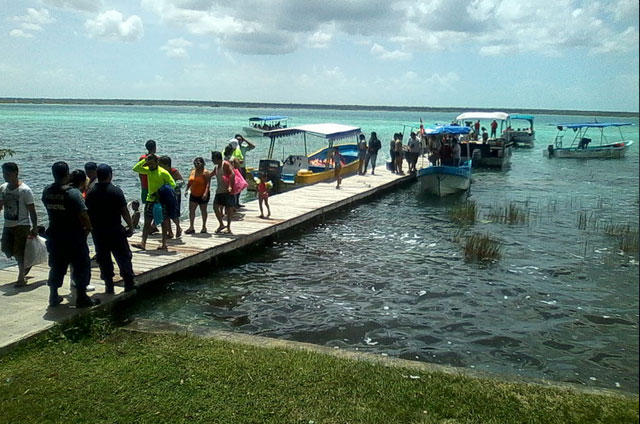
[389, 276]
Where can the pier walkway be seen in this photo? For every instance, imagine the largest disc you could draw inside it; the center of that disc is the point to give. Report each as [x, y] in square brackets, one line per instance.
[24, 311]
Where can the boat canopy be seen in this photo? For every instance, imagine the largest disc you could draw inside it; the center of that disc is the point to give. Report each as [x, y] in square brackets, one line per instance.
[594, 125]
[521, 116]
[447, 129]
[327, 131]
[268, 118]
[502, 116]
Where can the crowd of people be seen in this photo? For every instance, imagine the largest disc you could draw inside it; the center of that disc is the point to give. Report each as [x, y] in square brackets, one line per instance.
[83, 202]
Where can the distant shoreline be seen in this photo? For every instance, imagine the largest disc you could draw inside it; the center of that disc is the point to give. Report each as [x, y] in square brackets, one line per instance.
[254, 105]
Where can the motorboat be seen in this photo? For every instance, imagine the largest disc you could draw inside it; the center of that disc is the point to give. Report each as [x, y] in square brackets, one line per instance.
[441, 176]
[486, 151]
[297, 170]
[261, 125]
[583, 147]
[520, 136]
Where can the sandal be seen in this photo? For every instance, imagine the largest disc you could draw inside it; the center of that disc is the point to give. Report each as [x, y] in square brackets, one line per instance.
[219, 230]
[190, 231]
[203, 231]
[138, 246]
[162, 248]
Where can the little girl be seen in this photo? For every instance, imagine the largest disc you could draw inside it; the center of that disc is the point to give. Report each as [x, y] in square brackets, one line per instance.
[263, 195]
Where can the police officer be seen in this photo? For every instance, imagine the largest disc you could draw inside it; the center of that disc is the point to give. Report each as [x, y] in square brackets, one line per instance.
[69, 226]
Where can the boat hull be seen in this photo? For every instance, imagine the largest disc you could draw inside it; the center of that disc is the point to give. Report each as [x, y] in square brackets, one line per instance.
[522, 138]
[611, 151]
[444, 180]
[490, 155]
[250, 131]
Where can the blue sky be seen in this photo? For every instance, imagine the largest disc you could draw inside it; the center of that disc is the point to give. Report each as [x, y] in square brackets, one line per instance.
[551, 54]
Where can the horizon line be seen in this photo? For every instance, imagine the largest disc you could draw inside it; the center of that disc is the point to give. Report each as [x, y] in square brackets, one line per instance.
[222, 103]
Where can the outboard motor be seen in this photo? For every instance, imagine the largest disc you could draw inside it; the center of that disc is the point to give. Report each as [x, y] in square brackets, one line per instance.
[550, 150]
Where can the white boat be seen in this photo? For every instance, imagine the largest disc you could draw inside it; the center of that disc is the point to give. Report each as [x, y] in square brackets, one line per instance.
[445, 179]
[490, 152]
[262, 125]
[520, 136]
[583, 147]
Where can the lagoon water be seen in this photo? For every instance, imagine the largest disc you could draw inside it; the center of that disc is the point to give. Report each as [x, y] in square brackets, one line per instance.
[389, 275]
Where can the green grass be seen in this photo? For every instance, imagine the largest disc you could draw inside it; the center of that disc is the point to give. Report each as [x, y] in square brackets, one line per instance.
[464, 214]
[143, 378]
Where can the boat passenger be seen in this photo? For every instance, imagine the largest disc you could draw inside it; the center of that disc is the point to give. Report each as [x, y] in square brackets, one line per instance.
[485, 135]
[446, 153]
[456, 152]
[434, 150]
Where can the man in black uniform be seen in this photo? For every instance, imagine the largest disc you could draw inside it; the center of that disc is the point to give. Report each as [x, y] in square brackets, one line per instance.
[69, 226]
[106, 204]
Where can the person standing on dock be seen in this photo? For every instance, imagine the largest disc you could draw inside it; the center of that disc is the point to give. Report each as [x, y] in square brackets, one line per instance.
[106, 205]
[372, 152]
[165, 163]
[90, 169]
[156, 178]
[199, 184]
[150, 145]
[392, 152]
[399, 154]
[337, 166]
[414, 146]
[362, 153]
[20, 217]
[224, 200]
[69, 226]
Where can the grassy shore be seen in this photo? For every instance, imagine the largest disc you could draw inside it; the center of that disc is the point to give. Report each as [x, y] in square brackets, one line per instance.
[138, 378]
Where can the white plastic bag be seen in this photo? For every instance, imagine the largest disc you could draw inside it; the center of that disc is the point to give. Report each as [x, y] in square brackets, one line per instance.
[35, 251]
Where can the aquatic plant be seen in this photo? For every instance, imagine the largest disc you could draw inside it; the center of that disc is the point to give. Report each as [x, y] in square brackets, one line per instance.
[482, 247]
[626, 234]
[511, 214]
[464, 214]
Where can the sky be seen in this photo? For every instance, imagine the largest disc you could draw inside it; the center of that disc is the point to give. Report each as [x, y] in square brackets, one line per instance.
[542, 54]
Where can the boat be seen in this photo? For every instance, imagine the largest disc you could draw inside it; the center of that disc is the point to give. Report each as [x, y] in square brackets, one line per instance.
[261, 125]
[583, 147]
[520, 136]
[304, 169]
[443, 180]
[494, 152]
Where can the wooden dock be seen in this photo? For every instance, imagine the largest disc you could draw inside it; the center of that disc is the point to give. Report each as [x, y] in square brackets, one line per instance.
[24, 311]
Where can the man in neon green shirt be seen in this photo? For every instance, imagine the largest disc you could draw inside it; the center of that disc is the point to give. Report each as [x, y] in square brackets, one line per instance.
[156, 178]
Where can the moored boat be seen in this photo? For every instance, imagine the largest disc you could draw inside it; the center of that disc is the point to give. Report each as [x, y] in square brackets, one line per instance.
[262, 125]
[486, 151]
[520, 136]
[446, 178]
[583, 147]
[303, 169]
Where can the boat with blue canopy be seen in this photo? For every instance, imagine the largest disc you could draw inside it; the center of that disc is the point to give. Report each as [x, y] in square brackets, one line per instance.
[261, 125]
[440, 175]
[583, 147]
[297, 170]
[520, 136]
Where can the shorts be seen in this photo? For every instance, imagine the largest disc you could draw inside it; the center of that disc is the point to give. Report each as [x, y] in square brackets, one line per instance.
[200, 200]
[148, 211]
[14, 240]
[224, 199]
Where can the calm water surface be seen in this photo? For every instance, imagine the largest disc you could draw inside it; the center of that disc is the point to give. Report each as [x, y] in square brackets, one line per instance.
[389, 276]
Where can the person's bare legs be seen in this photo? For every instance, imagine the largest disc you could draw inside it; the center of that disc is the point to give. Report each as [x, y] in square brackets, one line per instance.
[266, 202]
[260, 201]
[166, 223]
[192, 215]
[230, 211]
[218, 209]
[178, 227]
[203, 215]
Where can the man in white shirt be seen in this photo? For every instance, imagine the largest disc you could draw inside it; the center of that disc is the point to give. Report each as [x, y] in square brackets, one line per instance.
[20, 218]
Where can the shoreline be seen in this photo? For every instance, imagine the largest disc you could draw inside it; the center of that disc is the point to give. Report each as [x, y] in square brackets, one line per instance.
[255, 105]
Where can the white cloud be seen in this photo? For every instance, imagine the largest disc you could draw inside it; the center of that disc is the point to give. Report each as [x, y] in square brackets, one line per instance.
[177, 48]
[111, 25]
[81, 5]
[31, 22]
[384, 54]
[18, 33]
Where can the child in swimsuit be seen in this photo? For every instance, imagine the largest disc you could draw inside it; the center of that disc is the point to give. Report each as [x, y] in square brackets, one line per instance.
[263, 195]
